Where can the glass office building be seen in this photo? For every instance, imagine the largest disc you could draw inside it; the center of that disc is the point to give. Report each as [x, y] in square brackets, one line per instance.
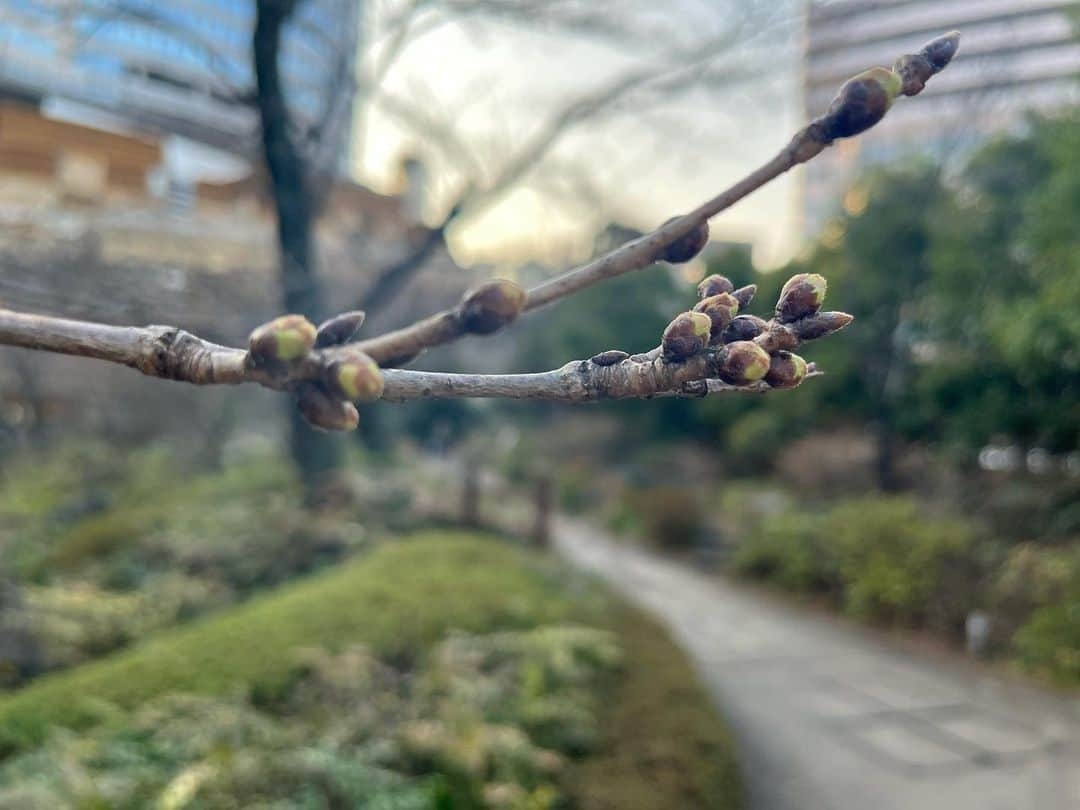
[1015, 56]
[174, 67]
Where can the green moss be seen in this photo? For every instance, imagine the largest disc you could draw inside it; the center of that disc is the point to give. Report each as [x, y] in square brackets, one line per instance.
[660, 743]
[97, 536]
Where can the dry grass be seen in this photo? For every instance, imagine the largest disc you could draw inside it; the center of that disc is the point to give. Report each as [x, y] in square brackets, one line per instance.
[665, 748]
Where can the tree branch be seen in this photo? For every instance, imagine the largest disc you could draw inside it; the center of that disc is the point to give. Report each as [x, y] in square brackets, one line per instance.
[576, 382]
[712, 349]
[170, 353]
[679, 72]
[861, 103]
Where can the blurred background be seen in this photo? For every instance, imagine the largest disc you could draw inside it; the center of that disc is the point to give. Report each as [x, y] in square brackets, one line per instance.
[928, 485]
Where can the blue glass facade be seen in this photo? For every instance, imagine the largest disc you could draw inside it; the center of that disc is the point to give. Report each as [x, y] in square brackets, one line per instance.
[174, 66]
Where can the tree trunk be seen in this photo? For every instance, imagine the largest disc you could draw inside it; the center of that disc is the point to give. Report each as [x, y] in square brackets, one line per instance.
[317, 455]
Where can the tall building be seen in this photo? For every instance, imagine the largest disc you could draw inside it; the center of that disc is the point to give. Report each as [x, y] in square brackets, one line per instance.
[1015, 56]
[175, 67]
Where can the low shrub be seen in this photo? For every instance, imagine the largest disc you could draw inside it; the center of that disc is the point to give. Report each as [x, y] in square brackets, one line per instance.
[893, 560]
[1030, 576]
[884, 558]
[397, 600]
[1036, 609]
[446, 672]
[786, 549]
[1049, 642]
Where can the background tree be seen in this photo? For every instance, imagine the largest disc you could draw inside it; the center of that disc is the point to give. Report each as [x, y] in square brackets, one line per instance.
[316, 454]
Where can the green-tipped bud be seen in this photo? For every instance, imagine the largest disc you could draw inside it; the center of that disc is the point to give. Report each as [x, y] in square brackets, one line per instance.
[685, 336]
[786, 370]
[714, 285]
[325, 412]
[339, 330]
[284, 339]
[803, 295]
[744, 327]
[609, 358]
[821, 324]
[861, 103]
[744, 295]
[743, 362]
[354, 376]
[721, 309]
[686, 247]
[915, 69]
[491, 306]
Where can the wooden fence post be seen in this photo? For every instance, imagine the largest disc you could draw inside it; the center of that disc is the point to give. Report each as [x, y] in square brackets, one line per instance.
[542, 527]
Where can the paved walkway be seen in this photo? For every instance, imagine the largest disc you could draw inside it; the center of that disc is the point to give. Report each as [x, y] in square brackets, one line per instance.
[829, 718]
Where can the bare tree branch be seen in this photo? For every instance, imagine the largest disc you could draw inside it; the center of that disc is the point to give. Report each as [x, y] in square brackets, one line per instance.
[862, 103]
[701, 352]
[173, 354]
[679, 72]
[576, 382]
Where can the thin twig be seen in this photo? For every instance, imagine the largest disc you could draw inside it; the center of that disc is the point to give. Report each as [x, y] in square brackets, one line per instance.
[567, 384]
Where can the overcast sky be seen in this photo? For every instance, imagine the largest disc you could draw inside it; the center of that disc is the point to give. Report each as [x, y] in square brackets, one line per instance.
[495, 83]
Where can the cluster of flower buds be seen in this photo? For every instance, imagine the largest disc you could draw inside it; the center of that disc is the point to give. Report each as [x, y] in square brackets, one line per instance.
[748, 349]
[337, 379]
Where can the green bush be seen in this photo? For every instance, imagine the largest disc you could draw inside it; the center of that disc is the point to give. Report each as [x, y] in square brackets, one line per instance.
[1050, 641]
[894, 560]
[886, 559]
[1037, 607]
[786, 549]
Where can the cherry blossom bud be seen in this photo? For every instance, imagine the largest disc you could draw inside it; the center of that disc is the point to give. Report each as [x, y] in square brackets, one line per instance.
[861, 103]
[714, 285]
[743, 362]
[801, 296]
[339, 330]
[283, 339]
[744, 327]
[354, 376]
[323, 411]
[685, 336]
[491, 306]
[821, 324]
[777, 337]
[744, 295]
[720, 309]
[916, 68]
[786, 370]
[686, 247]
